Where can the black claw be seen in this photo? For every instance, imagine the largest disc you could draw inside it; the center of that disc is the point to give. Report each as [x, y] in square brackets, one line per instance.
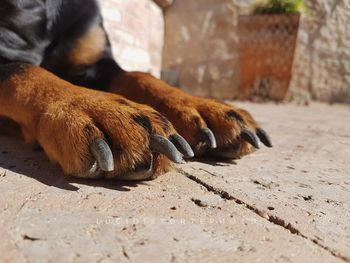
[264, 137]
[164, 146]
[182, 145]
[250, 137]
[207, 136]
[103, 154]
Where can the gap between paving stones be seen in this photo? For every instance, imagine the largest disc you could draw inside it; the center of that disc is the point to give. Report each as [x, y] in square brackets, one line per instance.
[264, 214]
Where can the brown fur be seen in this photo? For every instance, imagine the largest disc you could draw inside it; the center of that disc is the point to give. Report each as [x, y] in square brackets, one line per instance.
[65, 119]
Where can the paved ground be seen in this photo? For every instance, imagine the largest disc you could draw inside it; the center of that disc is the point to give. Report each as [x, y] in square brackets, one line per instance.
[286, 204]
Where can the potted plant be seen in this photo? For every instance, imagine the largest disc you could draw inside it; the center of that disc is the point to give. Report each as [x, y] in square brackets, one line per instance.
[267, 44]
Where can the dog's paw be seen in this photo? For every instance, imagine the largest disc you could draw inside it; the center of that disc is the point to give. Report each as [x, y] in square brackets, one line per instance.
[215, 128]
[93, 134]
[235, 131]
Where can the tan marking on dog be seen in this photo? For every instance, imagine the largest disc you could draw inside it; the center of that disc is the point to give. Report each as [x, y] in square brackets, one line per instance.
[89, 48]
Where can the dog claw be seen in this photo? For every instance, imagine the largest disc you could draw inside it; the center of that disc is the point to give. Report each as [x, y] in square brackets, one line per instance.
[162, 145]
[182, 145]
[207, 136]
[103, 154]
[250, 137]
[264, 137]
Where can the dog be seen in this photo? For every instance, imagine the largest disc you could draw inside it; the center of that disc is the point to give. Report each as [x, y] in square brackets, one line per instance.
[61, 87]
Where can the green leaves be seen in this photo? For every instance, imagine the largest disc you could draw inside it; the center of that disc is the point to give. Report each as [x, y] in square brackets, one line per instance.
[279, 7]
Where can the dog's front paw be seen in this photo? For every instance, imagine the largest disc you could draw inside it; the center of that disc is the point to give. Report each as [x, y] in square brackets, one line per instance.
[93, 134]
[214, 128]
[89, 133]
[235, 131]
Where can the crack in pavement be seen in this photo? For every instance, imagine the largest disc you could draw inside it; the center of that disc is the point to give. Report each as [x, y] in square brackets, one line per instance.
[271, 218]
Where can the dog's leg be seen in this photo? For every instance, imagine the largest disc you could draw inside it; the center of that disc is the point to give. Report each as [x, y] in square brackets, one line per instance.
[89, 133]
[211, 127]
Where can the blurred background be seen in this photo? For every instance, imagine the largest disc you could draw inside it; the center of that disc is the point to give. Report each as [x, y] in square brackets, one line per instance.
[279, 50]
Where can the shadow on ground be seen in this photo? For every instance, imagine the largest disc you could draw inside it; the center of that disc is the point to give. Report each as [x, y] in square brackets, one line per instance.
[22, 159]
[30, 161]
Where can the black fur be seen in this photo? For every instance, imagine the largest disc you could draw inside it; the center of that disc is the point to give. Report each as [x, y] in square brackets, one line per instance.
[234, 115]
[144, 122]
[41, 32]
[164, 122]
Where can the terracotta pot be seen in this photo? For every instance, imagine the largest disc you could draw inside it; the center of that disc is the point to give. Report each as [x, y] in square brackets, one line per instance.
[267, 45]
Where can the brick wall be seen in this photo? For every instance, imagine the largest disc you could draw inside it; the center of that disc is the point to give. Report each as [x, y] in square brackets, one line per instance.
[135, 28]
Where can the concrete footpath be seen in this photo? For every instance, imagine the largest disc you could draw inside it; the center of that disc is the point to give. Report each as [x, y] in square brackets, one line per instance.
[290, 203]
